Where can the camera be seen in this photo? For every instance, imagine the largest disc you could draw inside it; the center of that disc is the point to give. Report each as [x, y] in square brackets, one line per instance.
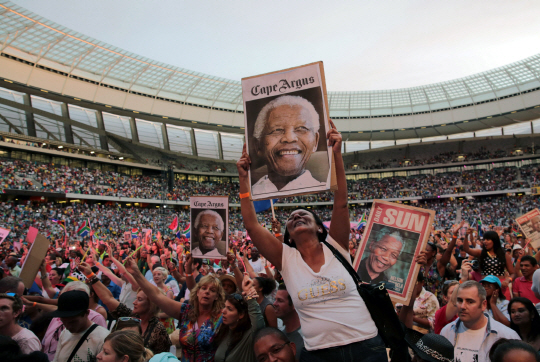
[475, 264]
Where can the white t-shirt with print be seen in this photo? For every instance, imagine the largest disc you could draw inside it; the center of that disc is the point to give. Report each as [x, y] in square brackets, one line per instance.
[88, 350]
[468, 344]
[331, 311]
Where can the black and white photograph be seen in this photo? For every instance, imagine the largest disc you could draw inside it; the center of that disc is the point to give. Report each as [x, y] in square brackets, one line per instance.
[209, 225]
[286, 125]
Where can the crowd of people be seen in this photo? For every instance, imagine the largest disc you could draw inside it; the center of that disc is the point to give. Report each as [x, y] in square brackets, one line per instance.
[444, 157]
[22, 175]
[283, 290]
[109, 220]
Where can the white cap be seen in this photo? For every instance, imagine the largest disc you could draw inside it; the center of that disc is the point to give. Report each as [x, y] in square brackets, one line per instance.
[517, 247]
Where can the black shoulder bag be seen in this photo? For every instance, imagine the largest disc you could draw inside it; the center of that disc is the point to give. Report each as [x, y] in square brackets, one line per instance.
[380, 308]
[81, 341]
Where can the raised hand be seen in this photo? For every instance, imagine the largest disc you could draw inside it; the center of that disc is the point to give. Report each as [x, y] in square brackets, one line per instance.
[84, 268]
[243, 163]
[334, 138]
[131, 266]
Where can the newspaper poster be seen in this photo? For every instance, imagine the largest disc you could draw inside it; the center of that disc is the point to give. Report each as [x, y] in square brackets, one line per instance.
[127, 236]
[530, 226]
[286, 121]
[394, 235]
[209, 225]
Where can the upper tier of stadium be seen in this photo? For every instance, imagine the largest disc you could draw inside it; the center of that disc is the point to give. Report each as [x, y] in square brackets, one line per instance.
[42, 55]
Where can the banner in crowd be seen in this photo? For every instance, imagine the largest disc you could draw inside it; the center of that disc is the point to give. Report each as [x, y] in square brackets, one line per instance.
[395, 234]
[286, 121]
[3, 234]
[36, 254]
[210, 221]
[530, 226]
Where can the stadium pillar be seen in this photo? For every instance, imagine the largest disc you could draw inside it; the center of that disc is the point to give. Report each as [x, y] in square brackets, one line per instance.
[30, 123]
[165, 135]
[68, 131]
[193, 143]
[133, 126]
[101, 125]
[219, 145]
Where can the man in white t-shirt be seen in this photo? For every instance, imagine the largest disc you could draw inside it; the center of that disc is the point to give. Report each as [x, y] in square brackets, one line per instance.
[73, 311]
[256, 262]
[474, 332]
[10, 309]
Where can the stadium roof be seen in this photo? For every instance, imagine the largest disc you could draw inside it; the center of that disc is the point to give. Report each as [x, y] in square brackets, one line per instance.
[26, 35]
[109, 92]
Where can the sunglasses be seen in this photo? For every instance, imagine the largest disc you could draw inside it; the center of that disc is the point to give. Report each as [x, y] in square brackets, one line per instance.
[237, 296]
[127, 319]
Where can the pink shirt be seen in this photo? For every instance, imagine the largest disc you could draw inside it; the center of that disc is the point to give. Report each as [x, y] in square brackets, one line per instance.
[50, 341]
[523, 287]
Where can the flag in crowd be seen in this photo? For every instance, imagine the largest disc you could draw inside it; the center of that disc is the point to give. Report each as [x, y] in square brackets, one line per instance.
[84, 230]
[187, 230]
[362, 222]
[134, 233]
[174, 224]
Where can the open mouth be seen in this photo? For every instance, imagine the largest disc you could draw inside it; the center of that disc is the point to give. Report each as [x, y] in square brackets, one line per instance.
[289, 152]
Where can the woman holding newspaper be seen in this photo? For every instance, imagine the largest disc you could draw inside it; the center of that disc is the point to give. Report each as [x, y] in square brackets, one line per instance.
[335, 321]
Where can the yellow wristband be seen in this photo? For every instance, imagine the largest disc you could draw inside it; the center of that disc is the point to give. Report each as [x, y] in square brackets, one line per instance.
[245, 195]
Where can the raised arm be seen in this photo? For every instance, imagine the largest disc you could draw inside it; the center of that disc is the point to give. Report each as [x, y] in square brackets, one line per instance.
[447, 256]
[101, 290]
[268, 244]
[46, 283]
[340, 224]
[254, 310]
[167, 305]
[190, 279]
[474, 252]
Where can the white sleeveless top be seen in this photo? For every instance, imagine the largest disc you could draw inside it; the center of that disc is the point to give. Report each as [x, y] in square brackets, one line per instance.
[331, 311]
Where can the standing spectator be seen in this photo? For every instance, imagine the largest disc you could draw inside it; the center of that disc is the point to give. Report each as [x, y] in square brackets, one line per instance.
[14, 269]
[73, 311]
[291, 322]
[497, 306]
[492, 257]
[338, 323]
[448, 312]
[473, 333]
[242, 318]
[255, 261]
[55, 328]
[525, 321]
[522, 286]
[425, 306]
[11, 307]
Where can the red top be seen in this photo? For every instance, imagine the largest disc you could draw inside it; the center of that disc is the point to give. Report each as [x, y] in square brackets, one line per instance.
[440, 320]
[522, 287]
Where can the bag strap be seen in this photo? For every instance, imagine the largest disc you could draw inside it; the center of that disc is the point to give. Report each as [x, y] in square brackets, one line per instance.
[81, 341]
[344, 261]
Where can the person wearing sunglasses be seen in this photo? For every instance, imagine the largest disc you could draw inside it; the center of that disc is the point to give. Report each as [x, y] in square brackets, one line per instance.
[154, 333]
[242, 317]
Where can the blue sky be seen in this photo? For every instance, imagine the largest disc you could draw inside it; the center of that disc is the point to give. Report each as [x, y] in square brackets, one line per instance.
[365, 45]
